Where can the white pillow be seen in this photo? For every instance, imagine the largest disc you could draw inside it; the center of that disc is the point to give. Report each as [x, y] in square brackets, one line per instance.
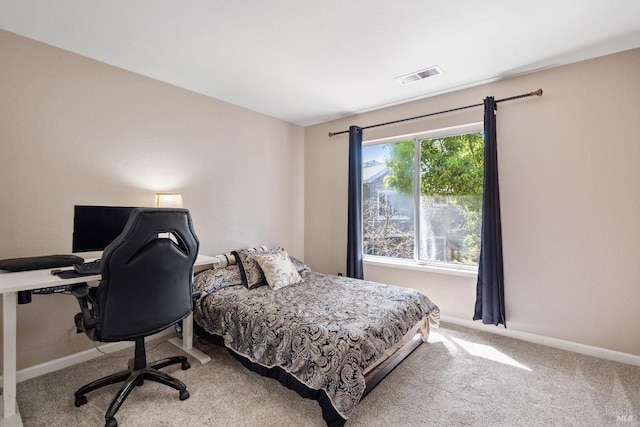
[278, 269]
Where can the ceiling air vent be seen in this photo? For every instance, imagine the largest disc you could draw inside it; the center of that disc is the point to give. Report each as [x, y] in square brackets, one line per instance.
[419, 75]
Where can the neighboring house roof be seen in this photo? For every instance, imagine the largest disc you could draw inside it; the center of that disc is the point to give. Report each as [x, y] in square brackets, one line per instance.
[372, 171]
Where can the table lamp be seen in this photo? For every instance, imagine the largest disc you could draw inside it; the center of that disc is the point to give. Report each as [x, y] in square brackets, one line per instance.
[168, 200]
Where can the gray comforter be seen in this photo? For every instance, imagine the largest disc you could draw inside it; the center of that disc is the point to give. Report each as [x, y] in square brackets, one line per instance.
[324, 331]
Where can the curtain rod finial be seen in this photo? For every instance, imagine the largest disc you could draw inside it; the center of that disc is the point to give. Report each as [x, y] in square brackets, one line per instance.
[330, 134]
[537, 93]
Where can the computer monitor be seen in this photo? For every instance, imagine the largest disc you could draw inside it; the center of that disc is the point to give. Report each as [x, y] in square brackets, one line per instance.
[94, 227]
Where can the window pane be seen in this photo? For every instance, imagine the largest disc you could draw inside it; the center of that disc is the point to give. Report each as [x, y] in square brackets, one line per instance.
[451, 198]
[387, 200]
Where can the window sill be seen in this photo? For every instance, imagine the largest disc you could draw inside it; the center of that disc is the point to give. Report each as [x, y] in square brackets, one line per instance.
[410, 265]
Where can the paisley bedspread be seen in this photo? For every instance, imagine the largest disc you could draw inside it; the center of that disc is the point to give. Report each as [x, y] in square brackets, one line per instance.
[325, 331]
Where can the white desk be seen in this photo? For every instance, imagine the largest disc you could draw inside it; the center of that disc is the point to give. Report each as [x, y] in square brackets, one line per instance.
[11, 284]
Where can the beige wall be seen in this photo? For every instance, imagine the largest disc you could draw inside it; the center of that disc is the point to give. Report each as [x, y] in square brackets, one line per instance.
[77, 131]
[570, 197]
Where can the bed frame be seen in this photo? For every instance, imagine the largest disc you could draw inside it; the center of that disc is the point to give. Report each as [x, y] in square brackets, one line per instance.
[416, 336]
[373, 375]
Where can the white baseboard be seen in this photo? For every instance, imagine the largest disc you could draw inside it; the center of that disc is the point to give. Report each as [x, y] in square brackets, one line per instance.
[74, 359]
[599, 352]
[602, 353]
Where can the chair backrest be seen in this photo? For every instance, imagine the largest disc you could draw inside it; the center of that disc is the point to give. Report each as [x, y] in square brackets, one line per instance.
[147, 275]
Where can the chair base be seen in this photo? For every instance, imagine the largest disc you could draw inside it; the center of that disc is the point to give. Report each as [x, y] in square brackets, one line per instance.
[134, 377]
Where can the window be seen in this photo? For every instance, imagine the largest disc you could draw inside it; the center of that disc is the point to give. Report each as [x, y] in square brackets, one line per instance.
[422, 197]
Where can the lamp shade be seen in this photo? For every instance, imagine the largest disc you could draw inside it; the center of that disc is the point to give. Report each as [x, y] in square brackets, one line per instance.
[168, 200]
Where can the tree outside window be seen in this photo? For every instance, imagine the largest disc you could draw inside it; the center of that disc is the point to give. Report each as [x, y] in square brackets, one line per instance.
[447, 201]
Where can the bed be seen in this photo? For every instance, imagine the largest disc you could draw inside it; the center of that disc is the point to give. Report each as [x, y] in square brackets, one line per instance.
[330, 338]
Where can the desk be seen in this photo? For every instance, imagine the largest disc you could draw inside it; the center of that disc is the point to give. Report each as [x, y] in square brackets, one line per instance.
[11, 284]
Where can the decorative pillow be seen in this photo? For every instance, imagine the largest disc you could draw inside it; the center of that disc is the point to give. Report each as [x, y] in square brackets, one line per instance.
[278, 269]
[211, 280]
[224, 260]
[250, 271]
[301, 267]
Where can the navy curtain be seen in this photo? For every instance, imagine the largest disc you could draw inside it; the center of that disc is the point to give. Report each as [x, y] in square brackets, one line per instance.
[490, 288]
[354, 220]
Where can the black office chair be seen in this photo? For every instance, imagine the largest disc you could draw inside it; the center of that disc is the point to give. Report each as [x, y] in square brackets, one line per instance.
[146, 287]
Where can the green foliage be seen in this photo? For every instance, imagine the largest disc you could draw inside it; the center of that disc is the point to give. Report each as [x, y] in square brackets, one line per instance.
[401, 165]
[452, 166]
[449, 166]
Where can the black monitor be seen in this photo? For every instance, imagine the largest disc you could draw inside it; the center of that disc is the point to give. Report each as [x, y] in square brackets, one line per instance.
[94, 227]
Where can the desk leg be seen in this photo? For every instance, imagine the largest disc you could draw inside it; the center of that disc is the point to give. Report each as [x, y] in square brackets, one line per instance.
[10, 415]
[186, 342]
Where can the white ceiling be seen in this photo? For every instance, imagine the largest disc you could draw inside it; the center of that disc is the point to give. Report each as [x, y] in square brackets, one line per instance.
[307, 61]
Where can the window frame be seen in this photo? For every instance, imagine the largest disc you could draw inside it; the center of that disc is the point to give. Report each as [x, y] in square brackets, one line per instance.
[416, 263]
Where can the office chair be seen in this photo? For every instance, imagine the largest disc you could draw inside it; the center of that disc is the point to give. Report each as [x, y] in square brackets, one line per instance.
[146, 287]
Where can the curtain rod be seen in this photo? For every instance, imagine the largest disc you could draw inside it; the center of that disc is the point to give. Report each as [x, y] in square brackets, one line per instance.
[524, 95]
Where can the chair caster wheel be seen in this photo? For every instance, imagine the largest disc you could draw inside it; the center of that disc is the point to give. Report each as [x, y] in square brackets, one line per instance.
[80, 400]
[185, 366]
[111, 422]
[184, 394]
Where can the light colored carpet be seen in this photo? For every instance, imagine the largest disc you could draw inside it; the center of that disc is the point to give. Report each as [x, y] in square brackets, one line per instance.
[462, 377]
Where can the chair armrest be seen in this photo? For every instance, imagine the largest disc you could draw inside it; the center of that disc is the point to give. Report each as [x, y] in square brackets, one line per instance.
[82, 294]
[80, 290]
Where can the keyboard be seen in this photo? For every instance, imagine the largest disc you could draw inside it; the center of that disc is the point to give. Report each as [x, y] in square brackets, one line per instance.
[88, 268]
